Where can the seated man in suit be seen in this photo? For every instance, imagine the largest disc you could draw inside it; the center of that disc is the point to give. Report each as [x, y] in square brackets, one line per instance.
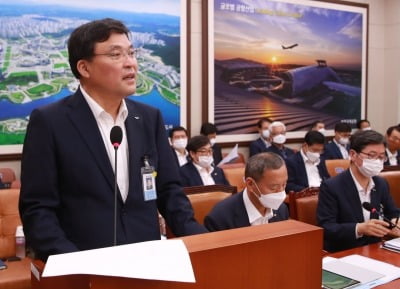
[178, 138]
[318, 126]
[363, 124]
[393, 146]
[306, 168]
[340, 206]
[262, 143]
[278, 138]
[199, 171]
[210, 130]
[261, 201]
[339, 146]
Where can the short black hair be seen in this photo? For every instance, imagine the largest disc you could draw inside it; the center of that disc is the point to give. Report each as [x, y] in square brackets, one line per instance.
[362, 138]
[258, 163]
[314, 124]
[262, 120]
[177, 128]
[196, 142]
[392, 128]
[361, 121]
[314, 137]
[342, 127]
[208, 128]
[83, 39]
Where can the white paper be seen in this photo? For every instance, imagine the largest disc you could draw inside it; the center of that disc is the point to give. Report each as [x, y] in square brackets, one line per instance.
[233, 154]
[155, 260]
[389, 271]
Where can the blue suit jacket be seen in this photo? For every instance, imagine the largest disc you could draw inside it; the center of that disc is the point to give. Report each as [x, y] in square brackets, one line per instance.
[297, 174]
[285, 153]
[340, 209]
[67, 193]
[231, 213]
[190, 176]
[332, 152]
[256, 147]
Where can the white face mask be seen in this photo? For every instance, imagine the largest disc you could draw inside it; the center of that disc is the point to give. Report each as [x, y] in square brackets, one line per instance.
[272, 200]
[213, 141]
[205, 161]
[312, 156]
[322, 130]
[371, 168]
[344, 140]
[279, 139]
[265, 133]
[180, 143]
[367, 128]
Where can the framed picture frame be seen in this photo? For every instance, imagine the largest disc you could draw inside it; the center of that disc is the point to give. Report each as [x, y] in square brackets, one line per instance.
[296, 61]
[34, 68]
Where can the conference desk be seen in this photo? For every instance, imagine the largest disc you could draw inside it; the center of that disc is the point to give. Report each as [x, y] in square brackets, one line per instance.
[375, 252]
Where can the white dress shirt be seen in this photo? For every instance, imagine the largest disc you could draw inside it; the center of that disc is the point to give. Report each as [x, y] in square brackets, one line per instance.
[255, 217]
[105, 122]
[313, 177]
[205, 174]
[365, 196]
[392, 157]
[182, 158]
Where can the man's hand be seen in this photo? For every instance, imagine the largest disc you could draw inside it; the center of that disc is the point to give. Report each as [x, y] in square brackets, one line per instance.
[373, 227]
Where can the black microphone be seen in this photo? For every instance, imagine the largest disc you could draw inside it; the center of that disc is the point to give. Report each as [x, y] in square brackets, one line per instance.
[371, 209]
[116, 139]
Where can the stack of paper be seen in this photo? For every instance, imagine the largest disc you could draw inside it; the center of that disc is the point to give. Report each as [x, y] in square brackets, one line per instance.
[392, 245]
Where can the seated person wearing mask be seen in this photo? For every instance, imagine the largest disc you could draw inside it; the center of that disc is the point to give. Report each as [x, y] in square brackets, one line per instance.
[261, 201]
[363, 124]
[338, 148]
[340, 204]
[278, 138]
[318, 126]
[392, 146]
[305, 168]
[210, 130]
[262, 143]
[178, 138]
[199, 171]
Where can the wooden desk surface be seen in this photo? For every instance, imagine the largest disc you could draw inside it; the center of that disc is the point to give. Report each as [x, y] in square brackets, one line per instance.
[375, 252]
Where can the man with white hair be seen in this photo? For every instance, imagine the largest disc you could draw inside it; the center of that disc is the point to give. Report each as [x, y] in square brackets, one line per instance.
[278, 138]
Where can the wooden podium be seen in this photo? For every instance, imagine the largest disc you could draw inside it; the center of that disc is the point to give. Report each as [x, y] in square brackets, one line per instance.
[278, 255]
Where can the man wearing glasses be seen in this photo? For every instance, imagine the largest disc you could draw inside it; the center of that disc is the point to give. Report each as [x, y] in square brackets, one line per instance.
[340, 206]
[67, 195]
[199, 171]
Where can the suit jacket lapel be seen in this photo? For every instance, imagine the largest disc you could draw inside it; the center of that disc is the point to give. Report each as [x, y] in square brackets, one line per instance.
[352, 195]
[241, 216]
[300, 162]
[82, 118]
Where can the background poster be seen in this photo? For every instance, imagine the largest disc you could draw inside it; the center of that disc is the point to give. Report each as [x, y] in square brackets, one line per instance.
[293, 61]
[34, 68]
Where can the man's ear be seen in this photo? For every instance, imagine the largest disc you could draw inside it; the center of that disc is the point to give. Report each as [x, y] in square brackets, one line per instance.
[83, 69]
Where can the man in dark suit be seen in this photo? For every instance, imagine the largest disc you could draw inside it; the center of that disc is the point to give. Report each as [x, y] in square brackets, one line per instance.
[339, 146]
[178, 138]
[393, 146]
[67, 193]
[199, 171]
[340, 211]
[262, 143]
[306, 168]
[261, 201]
[209, 130]
[278, 139]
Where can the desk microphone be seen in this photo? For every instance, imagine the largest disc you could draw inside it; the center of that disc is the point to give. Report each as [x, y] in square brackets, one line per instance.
[116, 139]
[371, 209]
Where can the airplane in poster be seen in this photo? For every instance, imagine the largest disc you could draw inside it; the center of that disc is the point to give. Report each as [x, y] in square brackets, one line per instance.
[290, 46]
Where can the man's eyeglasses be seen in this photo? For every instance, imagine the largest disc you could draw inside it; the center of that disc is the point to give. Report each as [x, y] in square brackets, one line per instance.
[374, 156]
[118, 55]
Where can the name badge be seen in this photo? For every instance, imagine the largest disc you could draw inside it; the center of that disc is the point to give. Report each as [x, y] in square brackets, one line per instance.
[148, 181]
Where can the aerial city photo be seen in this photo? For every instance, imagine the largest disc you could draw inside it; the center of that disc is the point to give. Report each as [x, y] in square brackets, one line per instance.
[293, 61]
[34, 68]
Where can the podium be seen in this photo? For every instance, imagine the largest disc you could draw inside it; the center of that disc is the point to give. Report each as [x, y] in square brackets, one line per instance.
[283, 255]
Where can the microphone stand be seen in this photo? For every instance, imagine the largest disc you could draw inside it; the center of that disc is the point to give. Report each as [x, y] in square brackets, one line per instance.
[116, 145]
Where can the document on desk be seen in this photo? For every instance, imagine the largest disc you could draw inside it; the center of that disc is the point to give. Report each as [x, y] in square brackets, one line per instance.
[369, 272]
[166, 260]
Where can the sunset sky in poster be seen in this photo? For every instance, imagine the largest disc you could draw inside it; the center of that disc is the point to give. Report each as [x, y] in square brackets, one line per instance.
[320, 33]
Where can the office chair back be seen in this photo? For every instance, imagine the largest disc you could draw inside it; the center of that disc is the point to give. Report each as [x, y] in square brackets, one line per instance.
[336, 166]
[393, 179]
[303, 205]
